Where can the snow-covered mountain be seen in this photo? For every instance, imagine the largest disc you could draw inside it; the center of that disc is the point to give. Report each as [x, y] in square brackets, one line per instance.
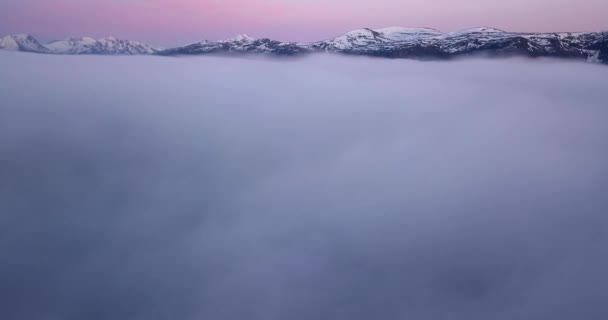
[366, 38]
[106, 46]
[22, 42]
[431, 44]
[241, 44]
[422, 43]
[392, 42]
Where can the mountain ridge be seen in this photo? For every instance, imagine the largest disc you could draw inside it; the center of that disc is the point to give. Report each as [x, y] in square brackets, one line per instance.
[22, 42]
[108, 46]
[390, 42]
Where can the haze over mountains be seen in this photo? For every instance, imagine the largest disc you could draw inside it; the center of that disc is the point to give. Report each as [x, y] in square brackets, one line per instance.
[392, 42]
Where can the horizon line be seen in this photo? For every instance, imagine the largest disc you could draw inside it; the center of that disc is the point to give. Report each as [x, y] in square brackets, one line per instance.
[269, 38]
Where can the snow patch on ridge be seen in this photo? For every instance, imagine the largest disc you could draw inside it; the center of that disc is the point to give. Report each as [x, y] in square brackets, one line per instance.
[21, 42]
[108, 45]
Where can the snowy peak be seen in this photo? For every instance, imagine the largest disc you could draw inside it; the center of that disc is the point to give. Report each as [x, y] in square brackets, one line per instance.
[421, 43]
[22, 42]
[408, 30]
[241, 44]
[398, 34]
[369, 37]
[108, 46]
[479, 30]
[401, 33]
[241, 38]
[85, 45]
[351, 40]
[365, 32]
[391, 42]
[366, 37]
[426, 43]
[9, 43]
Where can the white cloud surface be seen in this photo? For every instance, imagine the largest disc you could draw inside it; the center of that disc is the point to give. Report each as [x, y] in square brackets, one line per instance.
[316, 188]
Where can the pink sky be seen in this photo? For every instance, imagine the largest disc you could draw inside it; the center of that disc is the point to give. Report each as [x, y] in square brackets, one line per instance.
[172, 22]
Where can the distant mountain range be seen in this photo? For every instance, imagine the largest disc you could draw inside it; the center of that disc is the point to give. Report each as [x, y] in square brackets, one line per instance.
[393, 42]
[105, 46]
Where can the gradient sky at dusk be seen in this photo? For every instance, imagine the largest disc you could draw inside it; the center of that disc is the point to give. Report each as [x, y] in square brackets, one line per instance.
[169, 22]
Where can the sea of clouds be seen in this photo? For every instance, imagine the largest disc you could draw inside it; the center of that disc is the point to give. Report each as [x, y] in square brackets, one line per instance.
[315, 188]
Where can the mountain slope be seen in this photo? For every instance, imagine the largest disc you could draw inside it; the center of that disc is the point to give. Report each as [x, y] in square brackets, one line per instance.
[22, 42]
[477, 41]
[106, 46]
[421, 43]
[242, 44]
[391, 42]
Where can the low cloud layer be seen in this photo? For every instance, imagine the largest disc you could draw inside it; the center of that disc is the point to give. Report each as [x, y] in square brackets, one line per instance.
[317, 188]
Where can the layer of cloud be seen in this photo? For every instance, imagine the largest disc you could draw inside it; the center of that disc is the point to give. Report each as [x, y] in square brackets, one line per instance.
[316, 188]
